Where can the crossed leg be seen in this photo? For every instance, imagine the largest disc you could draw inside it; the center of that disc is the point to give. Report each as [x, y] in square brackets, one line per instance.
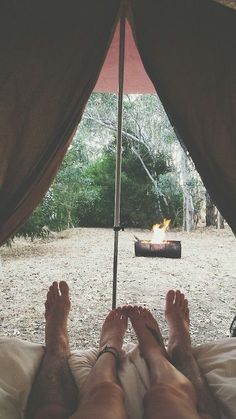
[180, 352]
[54, 393]
[171, 394]
[102, 397]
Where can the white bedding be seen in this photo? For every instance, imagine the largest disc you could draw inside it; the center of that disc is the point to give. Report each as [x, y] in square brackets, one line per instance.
[19, 362]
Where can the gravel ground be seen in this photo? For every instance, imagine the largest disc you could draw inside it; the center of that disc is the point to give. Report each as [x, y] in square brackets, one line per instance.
[83, 257]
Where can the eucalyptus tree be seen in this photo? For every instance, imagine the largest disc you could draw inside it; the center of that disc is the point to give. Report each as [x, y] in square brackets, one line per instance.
[146, 130]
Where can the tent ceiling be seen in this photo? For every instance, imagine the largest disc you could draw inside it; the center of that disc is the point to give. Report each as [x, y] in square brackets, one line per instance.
[136, 79]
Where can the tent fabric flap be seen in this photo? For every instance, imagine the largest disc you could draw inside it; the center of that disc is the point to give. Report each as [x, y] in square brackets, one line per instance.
[188, 49]
[51, 56]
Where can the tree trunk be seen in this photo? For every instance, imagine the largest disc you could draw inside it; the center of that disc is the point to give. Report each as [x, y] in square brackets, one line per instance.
[220, 221]
[69, 220]
[210, 212]
[188, 208]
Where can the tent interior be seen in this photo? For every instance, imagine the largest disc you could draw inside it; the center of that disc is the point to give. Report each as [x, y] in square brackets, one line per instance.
[174, 43]
[184, 51]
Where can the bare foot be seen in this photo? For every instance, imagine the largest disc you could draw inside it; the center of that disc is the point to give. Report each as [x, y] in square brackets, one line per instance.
[113, 329]
[177, 316]
[148, 334]
[105, 368]
[57, 309]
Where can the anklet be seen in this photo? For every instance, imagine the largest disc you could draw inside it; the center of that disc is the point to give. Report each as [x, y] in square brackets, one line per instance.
[110, 349]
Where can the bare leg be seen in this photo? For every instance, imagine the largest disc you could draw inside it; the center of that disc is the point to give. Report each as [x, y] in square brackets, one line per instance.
[101, 396]
[180, 351]
[54, 393]
[171, 394]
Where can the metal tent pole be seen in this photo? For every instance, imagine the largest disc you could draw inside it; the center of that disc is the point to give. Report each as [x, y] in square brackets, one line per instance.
[117, 226]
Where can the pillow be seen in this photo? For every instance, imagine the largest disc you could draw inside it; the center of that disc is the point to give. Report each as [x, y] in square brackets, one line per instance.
[217, 361]
[20, 360]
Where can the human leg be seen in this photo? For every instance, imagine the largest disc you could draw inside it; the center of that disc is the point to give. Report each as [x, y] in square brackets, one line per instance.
[54, 393]
[101, 397]
[171, 395]
[180, 351]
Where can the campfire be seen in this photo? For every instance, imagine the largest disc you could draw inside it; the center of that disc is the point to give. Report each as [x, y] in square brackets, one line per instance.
[158, 246]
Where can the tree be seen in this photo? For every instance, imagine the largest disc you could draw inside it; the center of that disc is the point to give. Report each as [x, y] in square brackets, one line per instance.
[213, 216]
[139, 206]
[145, 128]
[153, 186]
[210, 211]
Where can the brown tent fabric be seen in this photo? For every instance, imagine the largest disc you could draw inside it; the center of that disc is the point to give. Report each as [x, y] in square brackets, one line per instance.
[51, 55]
[188, 48]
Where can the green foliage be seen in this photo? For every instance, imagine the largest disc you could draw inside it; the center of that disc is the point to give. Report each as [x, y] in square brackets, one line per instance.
[170, 187]
[35, 225]
[140, 206]
[58, 210]
[198, 192]
[82, 194]
[98, 193]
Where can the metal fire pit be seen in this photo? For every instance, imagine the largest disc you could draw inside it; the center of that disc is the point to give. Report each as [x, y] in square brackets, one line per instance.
[166, 249]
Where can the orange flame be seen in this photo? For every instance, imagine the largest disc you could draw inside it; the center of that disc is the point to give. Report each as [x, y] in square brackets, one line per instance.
[159, 231]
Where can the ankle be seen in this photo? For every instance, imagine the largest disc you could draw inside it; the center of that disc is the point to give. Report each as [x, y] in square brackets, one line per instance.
[179, 351]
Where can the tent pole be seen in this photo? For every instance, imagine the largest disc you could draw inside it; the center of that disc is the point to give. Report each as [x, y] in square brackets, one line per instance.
[117, 226]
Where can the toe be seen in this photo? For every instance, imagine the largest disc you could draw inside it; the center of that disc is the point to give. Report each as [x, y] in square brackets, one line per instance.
[110, 316]
[186, 310]
[118, 313]
[123, 315]
[137, 311]
[133, 312]
[64, 289]
[181, 300]
[146, 313]
[128, 309]
[185, 303]
[124, 319]
[125, 310]
[141, 312]
[170, 296]
[186, 313]
[177, 298]
[50, 294]
[55, 289]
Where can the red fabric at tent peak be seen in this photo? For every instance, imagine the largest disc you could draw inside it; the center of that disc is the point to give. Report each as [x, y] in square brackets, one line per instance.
[136, 79]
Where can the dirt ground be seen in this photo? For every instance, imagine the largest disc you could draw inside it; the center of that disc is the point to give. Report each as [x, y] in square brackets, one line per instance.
[84, 258]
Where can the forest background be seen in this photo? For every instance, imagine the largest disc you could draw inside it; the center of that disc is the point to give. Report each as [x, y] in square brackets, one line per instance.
[159, 179]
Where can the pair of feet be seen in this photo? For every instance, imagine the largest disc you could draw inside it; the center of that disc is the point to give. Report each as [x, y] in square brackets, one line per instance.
[113, 330]
[147, 329]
